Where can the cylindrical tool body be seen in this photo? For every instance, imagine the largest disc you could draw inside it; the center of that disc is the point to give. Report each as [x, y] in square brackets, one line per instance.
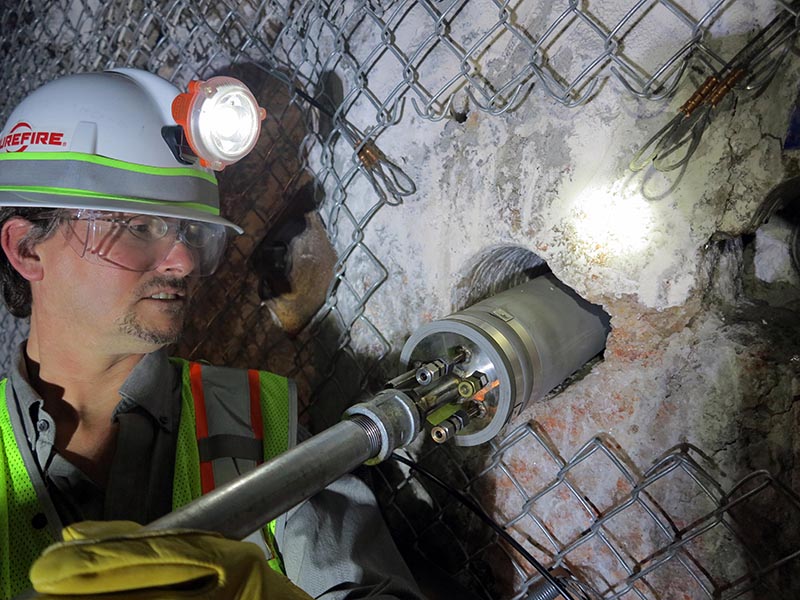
[526, 340]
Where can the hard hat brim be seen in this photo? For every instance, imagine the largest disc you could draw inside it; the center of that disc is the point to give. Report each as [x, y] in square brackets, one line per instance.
[179, 210]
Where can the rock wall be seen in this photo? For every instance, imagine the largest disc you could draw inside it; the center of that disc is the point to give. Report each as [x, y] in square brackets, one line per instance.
[704, 348]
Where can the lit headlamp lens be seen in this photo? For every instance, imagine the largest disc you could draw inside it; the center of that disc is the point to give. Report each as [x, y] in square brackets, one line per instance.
[221, 119]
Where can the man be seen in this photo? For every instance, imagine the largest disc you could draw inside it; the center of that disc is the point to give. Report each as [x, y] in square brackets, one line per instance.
[110, 221]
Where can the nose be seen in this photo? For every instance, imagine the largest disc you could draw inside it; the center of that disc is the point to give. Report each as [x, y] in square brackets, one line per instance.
[179, 261]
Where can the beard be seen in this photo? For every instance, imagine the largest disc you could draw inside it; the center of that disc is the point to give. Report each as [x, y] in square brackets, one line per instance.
[133, 325]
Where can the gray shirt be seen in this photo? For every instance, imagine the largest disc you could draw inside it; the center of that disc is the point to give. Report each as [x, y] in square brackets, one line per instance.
[334, 546]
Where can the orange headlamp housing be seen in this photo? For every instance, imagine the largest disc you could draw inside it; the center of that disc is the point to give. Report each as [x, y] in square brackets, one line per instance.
[221, 120]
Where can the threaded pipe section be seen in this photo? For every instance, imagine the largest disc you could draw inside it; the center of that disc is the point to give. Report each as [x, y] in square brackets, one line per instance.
[372, 430]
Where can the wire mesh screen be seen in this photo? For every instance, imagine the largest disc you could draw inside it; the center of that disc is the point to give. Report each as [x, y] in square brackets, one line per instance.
[334, 76]
[671, 531]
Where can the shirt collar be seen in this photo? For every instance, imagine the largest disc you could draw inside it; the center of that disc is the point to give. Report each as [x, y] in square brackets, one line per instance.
[28, 399]
[150, 387]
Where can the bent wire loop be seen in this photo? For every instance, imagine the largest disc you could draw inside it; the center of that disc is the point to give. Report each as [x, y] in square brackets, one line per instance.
[750, 70]
[390, 182]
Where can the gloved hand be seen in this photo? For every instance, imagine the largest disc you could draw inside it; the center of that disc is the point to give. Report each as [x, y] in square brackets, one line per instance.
[99, 558]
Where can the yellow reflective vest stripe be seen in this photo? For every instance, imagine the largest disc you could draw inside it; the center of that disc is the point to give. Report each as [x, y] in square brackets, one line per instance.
[24, 533]
[23, 528]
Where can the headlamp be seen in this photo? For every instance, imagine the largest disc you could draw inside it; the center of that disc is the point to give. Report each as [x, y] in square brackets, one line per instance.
[221, 119]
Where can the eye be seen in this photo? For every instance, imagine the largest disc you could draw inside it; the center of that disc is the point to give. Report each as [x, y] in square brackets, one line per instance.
[199, 235]
[147, 227]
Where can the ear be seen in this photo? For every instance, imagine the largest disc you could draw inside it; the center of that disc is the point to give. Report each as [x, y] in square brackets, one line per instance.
[24, 260]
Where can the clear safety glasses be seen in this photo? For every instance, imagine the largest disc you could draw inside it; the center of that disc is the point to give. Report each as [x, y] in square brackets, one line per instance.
[143, 242]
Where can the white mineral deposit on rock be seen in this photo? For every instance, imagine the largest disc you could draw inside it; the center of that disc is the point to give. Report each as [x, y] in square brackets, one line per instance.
[773, 260]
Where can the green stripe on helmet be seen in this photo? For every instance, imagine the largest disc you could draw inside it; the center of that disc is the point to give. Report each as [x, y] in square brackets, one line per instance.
[91, 194]
[177, 188]
[110, 162]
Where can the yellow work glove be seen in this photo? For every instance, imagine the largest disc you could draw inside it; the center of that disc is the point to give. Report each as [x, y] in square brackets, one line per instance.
[117, 557]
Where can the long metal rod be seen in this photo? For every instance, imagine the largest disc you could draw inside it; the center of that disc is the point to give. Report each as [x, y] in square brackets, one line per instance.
[246, 504]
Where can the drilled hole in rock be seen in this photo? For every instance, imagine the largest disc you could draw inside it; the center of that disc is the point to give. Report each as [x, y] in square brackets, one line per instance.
[495, 271]
[459, 116]
[502, 268]
[770, 258]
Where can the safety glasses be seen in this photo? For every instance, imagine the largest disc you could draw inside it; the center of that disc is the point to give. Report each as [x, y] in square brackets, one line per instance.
[142, 242]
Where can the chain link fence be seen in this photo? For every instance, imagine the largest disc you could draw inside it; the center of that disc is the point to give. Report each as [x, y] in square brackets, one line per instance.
[334, 76]
[678, 529]
[672, 531]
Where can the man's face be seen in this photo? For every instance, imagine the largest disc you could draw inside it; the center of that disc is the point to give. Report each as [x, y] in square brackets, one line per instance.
[119, 310]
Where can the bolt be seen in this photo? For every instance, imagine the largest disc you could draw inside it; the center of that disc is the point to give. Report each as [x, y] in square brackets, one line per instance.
[448, 428]
[443, 432]
[467, 389]
[471, 385]
[430, 372]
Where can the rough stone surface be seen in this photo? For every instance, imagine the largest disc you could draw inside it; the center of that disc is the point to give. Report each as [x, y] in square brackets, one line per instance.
[702, 352]
[773, 260]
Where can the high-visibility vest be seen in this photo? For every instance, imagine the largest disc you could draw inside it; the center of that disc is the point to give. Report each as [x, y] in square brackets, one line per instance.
[211, 434]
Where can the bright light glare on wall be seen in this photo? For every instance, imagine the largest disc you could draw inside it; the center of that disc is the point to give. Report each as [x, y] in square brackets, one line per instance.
[612, 222]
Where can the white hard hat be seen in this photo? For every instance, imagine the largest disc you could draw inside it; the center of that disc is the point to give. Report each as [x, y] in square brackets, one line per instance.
[104, 141]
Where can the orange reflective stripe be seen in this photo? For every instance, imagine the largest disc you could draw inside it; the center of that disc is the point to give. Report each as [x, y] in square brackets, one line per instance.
[201, 423]
[254, 379]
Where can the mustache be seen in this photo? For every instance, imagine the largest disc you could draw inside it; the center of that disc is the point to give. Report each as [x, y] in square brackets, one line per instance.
[160, 282]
